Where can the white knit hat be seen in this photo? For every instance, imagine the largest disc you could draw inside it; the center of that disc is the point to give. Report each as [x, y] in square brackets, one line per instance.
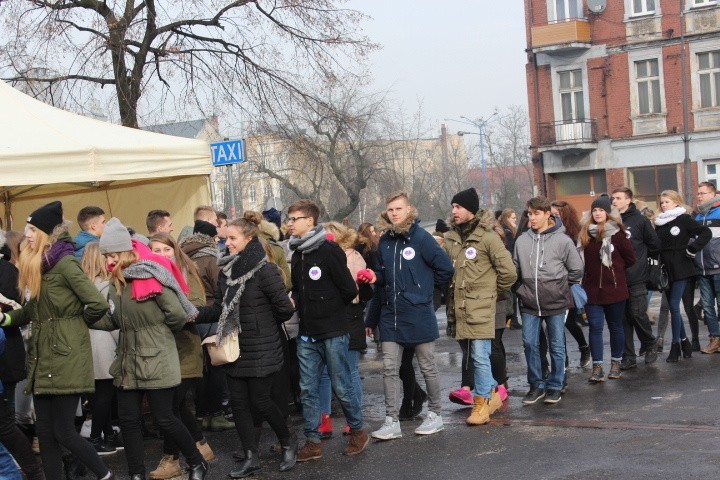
[115, 238]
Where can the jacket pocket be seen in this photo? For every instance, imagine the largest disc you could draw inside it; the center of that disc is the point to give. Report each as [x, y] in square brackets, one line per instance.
[60, 348]
[478, 306]
[148, 363]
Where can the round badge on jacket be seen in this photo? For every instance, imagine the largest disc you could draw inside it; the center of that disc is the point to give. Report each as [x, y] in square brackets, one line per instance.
[675, 231]
[315, 273]
[408, 253]
[470, 253]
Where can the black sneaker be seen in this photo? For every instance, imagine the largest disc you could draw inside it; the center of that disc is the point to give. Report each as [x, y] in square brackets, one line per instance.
[101, 447]
[553, 396]
[585, 357]
[651, 353]
[627, 364]
[535, 394]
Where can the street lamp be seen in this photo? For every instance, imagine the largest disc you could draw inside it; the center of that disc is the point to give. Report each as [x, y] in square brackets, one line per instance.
[480, 125]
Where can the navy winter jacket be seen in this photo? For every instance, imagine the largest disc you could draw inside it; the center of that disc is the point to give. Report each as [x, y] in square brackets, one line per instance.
[708, 259]
[411, 264]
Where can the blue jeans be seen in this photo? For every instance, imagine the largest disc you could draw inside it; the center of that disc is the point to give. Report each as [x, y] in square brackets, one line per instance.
[313, 357]
[326, 386]
[710, 297]
[556, 345]
[8, 469]
[484, 381]
[613, 314]
[674, 295]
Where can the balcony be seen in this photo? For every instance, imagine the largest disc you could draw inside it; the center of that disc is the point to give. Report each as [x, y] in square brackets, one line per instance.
[580, 136]
[562, 37]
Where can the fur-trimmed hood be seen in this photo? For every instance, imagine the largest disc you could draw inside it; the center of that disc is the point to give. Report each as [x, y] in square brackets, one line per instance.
[193, 244]
[483, 217]
[269, 231]
[385, 225]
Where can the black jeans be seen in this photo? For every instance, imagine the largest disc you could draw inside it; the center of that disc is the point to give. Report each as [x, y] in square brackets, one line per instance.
[55, 426]
[572, 325]
[636, 319]
[181, 409]
[130, 413]
[406, 372]
[14, 440]
[102, 402]
[212, 390]
[252, 403]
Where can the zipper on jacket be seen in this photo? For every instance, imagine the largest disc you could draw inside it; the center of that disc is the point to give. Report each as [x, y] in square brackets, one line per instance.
[537, 268]
[395, 286]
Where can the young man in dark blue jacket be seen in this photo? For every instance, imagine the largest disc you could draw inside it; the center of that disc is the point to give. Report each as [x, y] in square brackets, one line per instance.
[322, 288]
[708, 262]
[411, 264]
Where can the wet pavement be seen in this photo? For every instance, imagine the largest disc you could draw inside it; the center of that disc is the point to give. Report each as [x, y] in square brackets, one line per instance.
[660, 420]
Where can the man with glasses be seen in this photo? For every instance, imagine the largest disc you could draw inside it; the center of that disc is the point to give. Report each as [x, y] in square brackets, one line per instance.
[322, 287]
[708, 261]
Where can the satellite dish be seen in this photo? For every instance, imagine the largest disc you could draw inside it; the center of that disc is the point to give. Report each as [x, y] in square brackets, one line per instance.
[597, 6]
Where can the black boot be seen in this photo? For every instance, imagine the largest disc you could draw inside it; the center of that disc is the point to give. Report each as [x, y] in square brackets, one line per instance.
[197, 472]
[248, 467]
[674, 353]
[686, 347]
[419, 398]
[696, 345]
[289, 456]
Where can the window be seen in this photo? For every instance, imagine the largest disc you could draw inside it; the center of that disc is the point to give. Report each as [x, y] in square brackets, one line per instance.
[648, 182]
[643, 7]
[251, 193]
[571, 96]
[565, 10]
[702, 3]
[709, 75]
[268, 190]
[712, 172]
[647, 75]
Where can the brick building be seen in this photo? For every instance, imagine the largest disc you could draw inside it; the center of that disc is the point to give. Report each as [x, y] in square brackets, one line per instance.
[606, 95]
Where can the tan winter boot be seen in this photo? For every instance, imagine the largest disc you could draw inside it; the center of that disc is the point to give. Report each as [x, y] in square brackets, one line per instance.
[481, 411]
[169, 467]
[495, 401]
[205, 450]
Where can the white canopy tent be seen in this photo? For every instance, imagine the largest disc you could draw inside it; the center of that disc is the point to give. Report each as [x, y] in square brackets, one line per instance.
[50, 154]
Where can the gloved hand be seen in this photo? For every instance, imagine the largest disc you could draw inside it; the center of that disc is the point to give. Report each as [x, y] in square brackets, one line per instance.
[366, 276]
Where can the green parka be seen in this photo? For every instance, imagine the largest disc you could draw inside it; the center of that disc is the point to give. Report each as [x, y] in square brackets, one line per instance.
[483, 270]
[147, 357]
[59, 360]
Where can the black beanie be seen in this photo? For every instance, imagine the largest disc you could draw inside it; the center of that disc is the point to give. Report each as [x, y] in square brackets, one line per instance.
[272, 216]
[206, 228]
[468, 199]
[441, 226]
[47, 217]
[602, 202]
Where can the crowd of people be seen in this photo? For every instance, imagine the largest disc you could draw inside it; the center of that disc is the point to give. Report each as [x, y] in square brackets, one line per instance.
[112, 334]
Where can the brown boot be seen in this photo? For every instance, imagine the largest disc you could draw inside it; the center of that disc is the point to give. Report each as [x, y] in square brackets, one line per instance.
[169, 467]
[358, 441]
[713, 346]
[495, 401]
[205, 450]
[480, 412]
[311, 451]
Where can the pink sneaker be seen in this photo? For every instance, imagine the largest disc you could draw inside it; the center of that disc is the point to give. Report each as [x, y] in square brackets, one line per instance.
[461, 397]
[502, 391]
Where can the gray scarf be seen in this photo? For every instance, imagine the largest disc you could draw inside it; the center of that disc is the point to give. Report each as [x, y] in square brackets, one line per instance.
[704, 208]
[611, 228]
[225, 327]
[309, 242]
[143, 269]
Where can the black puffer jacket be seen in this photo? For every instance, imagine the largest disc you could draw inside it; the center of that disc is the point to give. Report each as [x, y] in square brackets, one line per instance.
[263, 306]
[645, 242]
[12, 361]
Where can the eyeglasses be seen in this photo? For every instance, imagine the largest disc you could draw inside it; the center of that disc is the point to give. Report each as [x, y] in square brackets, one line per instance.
[294, 219]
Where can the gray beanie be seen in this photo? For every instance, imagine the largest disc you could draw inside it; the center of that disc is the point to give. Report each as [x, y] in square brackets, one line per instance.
[115, 238]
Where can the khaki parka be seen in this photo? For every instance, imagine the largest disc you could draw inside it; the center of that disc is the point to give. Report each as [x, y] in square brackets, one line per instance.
[59, 360]
[483, 270]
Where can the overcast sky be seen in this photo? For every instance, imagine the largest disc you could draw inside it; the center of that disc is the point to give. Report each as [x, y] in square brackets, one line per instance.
[460, 57]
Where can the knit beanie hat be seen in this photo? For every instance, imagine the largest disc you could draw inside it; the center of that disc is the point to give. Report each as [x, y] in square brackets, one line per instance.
[468, 199]
[602, 202]
[47, 217]
[206, 228]
[272, 216]
[441, 226]
[115, 238]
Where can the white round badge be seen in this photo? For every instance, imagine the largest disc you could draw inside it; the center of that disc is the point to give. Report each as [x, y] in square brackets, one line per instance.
[470, 253]
[315, 273]
[675, 231]
[627, 233]
[408, 253]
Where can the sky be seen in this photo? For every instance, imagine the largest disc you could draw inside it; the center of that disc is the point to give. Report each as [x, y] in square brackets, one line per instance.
[459, 58]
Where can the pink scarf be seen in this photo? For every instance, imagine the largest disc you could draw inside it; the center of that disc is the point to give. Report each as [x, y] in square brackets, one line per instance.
[142, 289]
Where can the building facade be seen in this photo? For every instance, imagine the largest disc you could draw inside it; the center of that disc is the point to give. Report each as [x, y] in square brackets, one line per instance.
[619, 91]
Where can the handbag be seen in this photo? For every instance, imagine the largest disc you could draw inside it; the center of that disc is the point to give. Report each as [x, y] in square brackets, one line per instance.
[228, 352]
[658, 279]
[579, 296]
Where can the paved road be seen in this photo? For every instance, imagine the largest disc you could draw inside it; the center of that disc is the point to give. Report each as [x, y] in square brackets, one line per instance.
[658, 421]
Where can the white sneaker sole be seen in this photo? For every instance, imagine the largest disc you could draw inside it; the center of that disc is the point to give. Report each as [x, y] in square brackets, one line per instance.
[429, 432]
[386, 437]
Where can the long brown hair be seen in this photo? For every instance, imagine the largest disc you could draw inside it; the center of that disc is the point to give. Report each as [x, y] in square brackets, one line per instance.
[184, 263]
[504, 220]
[366, 237]
[93, 263]
[586, 238]
[569, 217]
[125, 259]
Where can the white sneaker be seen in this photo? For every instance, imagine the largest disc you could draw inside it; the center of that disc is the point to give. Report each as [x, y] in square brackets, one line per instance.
[433, 423]
[86, 428]
[389, 430]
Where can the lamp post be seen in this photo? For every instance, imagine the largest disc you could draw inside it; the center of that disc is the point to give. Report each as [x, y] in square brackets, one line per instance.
[480, 125]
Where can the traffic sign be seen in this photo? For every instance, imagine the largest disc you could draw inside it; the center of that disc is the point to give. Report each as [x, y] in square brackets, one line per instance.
[227, 153]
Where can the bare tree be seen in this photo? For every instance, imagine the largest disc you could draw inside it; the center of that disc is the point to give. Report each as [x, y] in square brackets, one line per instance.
[197, 53]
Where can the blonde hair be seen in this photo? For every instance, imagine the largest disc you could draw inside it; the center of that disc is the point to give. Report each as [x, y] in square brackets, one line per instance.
[345, 236]
[93, 263]
[675, 197]
[30, 264]
[125, 259]
[249, 224]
